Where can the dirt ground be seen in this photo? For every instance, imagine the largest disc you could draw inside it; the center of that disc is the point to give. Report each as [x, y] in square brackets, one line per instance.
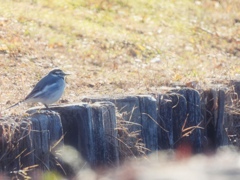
[116, 47]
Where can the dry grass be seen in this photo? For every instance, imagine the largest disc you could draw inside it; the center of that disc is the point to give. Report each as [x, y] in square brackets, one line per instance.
[13, 131]
[116, 47]
[130, 143]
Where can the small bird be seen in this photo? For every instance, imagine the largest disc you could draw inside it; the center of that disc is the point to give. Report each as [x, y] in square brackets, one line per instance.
[48, 90]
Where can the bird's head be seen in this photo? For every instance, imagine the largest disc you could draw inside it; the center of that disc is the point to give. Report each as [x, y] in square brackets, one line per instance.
[58, 72]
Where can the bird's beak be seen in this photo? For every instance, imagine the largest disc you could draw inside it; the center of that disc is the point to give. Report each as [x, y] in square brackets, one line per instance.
[66, 74]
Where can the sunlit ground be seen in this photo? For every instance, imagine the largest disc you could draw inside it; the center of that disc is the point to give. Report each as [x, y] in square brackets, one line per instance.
[117, 47]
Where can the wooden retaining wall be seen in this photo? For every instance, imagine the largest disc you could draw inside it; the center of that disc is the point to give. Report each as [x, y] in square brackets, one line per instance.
[108, 130]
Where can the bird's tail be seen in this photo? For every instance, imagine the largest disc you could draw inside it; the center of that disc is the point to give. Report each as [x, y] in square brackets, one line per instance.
[17, 104]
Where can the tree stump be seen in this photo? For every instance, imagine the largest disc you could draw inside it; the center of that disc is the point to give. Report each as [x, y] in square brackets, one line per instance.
[32, 139]
[215, 116]
[46, 131]
[165, 121]
[232, 109]
[14, 140]
[148, 114]
[141, 111]
[91, 129]
[180, 117]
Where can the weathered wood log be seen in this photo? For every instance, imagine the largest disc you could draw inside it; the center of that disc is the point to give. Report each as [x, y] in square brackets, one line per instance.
[148, 113]
[13, 138]
[128, 106]
[141, 110]
[45, 133]
[221, 134]
[215, 117]
[187, 119]
[91, 129]
[105, 134]
[175, 120]
[232, 109]
[165, 121]
[31, 145]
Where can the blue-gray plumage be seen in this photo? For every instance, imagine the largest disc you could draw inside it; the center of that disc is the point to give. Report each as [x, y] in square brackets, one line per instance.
[48, 90]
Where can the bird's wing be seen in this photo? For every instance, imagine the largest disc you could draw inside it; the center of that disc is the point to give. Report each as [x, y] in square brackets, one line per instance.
[45, 81]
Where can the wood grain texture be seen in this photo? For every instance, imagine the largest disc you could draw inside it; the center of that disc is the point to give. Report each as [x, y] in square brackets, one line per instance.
[142, 111]
[91, 129]
[176, 119]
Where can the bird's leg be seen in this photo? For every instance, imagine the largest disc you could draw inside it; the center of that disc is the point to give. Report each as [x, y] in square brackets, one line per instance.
[47, 107]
